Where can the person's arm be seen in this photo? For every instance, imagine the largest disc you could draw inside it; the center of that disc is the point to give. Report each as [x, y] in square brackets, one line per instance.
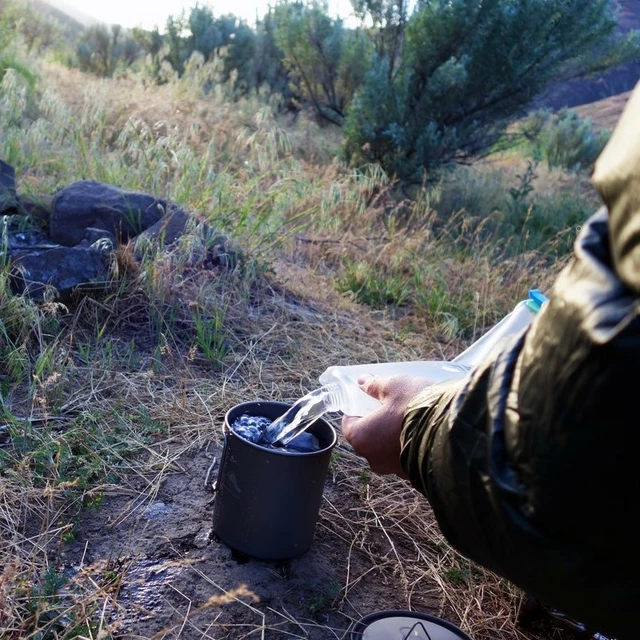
[617, 177]
[585, 340]
[530, 465]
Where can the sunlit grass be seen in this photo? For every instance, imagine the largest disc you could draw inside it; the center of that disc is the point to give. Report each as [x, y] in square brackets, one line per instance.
[330, 264]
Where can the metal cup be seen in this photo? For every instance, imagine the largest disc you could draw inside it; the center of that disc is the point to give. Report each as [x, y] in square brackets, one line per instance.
[267, 500]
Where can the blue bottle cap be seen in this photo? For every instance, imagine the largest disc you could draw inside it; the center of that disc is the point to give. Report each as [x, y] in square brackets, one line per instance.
[536, 300]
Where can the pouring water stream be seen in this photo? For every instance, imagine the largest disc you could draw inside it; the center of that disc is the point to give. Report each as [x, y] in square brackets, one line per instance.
[299, 417]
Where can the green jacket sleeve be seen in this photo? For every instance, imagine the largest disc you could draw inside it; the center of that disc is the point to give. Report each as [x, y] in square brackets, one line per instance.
[531, 464]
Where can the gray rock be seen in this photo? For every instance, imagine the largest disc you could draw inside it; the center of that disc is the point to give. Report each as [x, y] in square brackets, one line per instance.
[202, 539]
[99, 239]
[204, 244]
[8, 197]
[163, 233]
[26, 240]
[156, 510]
[86, 220]
[64, 269]
[91, 204]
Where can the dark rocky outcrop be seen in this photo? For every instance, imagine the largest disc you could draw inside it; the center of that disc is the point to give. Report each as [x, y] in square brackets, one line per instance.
[57, 245]
[205, 245]
[37, 209]
[7, 187]
[165, 231]
[63, 269]
[89, 204]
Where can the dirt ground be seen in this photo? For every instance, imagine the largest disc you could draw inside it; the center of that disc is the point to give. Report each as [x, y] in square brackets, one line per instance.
[140, 556]
[142, 559]
[172, 577]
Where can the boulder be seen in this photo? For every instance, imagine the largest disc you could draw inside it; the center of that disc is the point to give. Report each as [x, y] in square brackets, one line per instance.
[92, 204]
[76, 232]
[24, 241]
[63, 269]
[163, 233]
[36, 208]
[204, 244]
[99, 238]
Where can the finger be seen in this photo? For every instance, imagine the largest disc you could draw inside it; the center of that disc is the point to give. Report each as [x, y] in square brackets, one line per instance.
[371, 385]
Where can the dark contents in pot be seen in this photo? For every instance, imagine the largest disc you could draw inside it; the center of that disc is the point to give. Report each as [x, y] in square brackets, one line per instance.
[253, 428]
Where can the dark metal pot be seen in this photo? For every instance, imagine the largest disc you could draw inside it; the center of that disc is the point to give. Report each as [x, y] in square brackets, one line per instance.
[267, 500]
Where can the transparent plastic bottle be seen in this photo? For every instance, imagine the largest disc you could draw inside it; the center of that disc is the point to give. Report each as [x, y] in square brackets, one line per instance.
[341, 382]
[348, 397]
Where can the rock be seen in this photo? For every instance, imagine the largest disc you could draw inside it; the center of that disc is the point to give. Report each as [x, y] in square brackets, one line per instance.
[64, 269]
[156, 510]
[202, 245]
[202, 539]
[99, 239]
[213, 249]
[86, 220]
[91, 204]
[8, 197]
[26, 241]
[163, 233]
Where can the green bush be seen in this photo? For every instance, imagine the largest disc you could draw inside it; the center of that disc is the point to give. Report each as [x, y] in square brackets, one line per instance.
[326, 62]
[467, 70]
[101, 50]
[564, 139]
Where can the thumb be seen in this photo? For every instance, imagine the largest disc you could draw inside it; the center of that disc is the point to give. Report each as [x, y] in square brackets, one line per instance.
[371, 385]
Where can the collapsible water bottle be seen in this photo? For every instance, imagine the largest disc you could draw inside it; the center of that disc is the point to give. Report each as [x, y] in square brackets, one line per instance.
[341, 382]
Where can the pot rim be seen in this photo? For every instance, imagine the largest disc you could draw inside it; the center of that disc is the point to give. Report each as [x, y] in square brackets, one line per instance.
[229, 432]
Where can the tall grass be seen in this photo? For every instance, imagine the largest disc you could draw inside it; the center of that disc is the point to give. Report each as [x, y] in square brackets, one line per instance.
[332, 264]
[444, 256]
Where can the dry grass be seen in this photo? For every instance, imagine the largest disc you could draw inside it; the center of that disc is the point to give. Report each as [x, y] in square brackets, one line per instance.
[124, 397]
[288, 343]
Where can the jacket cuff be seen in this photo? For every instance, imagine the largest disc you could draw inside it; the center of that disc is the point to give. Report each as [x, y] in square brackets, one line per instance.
[424, 416]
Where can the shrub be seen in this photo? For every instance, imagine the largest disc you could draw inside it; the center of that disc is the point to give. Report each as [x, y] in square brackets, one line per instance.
[564, 139]
[468, 69]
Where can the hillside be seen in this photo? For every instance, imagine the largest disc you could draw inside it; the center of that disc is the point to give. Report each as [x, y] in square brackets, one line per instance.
[617, 81]
[605, 113]
[70, 23]
[64, 9]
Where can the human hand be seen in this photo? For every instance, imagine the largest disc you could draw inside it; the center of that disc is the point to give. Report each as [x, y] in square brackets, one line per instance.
[376, 436]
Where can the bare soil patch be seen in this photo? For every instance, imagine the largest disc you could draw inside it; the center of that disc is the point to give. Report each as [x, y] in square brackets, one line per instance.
[173, 573]
[604, 114]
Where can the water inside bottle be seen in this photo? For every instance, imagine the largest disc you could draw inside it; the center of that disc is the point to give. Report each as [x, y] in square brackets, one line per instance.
[290, 429]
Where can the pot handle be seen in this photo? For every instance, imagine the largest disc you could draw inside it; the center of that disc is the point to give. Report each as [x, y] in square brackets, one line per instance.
[225, 453]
